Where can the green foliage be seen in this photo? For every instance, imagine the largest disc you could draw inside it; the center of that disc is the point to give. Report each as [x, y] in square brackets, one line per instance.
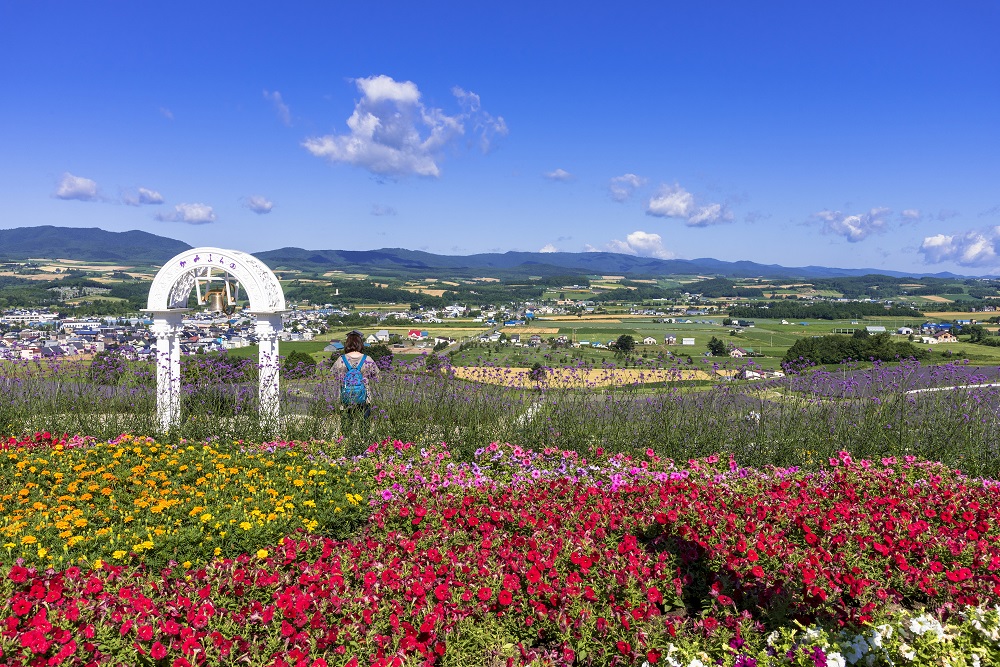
[300, 364]
[821, 310]
[378, 352]
[641, 293]
[717, 347]
[837, 349]
[625, 343]
[719, 287]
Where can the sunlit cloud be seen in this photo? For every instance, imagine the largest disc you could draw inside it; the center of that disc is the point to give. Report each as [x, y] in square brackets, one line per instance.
[78, 188]
[191, 214]
[142, 197]
[673, 201]
[559, 175]
[258, 204]
[974, 248]
[910, 215]
[855, 227]
[639, 243]
[621, 188]
[486, 127]
[711, 214]
[548, 247]
[392, 133]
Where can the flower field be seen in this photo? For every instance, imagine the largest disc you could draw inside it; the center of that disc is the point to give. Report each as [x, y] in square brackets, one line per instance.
[289, 553]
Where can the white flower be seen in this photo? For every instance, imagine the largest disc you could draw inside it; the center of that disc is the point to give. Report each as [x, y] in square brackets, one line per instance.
[812, 634]
[855, 650]
[696, 663]
[907, 652]
[835, 660]
[924, 623]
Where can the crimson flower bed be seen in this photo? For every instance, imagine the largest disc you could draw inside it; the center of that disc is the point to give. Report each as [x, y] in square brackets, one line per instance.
[545, 558]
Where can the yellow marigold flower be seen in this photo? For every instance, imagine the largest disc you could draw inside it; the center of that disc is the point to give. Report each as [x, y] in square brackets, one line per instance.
[206, 517]
[299, 483]
[217, 551]
[42, 551]
[186, 564]
[28, 539]
[245, 525]
[98, 563]
[118, 554]
[262, 553]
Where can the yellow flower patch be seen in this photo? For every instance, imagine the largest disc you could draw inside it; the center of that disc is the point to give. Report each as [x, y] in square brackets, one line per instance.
[135, 500]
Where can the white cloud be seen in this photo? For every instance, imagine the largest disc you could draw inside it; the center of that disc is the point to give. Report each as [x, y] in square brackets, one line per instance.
[559, 175]
[624, 186]
[640, 243]
[284, 113]
[910, 215]
[671, 202]
[484, 125]
[712, 214]
[971, 248]
[192, 214]
[393, 133]
[258, 204]
[77, 187]
[378, 209]
[856, 227]
[142, 197]
[548, 247]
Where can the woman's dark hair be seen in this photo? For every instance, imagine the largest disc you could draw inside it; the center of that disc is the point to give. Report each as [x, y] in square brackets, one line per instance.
[353, 342]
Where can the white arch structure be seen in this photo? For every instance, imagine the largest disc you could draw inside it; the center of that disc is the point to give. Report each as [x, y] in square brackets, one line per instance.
[167, 304]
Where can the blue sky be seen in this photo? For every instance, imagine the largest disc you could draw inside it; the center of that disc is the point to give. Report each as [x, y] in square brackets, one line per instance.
[851, 134]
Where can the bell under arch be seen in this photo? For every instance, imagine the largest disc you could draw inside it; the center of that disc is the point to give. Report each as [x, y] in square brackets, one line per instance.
[167, 304]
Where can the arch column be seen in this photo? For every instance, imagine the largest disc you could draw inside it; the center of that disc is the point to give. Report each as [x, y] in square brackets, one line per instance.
[167, 328]
[168, 297]
[267, 327]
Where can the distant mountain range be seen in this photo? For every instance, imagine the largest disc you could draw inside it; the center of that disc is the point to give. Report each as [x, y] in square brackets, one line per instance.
[89, 244]
[137, 247]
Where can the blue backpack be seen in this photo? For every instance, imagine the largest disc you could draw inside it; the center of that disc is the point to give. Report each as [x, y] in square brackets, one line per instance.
[353, 391]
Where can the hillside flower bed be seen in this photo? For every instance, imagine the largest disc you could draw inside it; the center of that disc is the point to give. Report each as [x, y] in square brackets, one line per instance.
[518, 557]
[133, 500]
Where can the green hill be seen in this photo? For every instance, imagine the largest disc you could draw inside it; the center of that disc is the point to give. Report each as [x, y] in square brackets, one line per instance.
[87, 244]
